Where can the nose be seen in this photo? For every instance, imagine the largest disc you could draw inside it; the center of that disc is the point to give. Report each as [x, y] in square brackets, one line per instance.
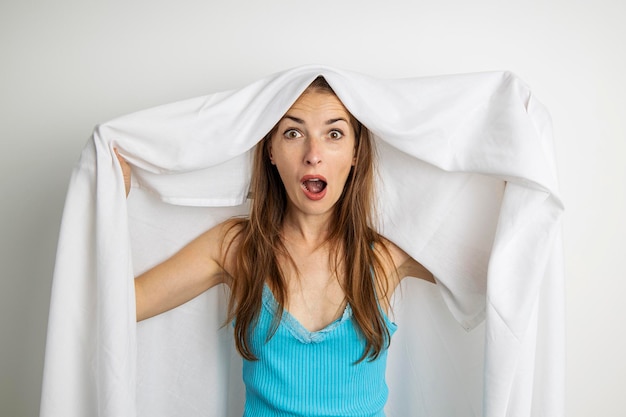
[313, 153]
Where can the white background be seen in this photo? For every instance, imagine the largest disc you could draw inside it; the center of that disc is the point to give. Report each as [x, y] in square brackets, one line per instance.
[67, 65]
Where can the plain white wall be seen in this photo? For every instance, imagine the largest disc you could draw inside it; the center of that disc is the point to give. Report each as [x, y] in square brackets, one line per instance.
[70, 64]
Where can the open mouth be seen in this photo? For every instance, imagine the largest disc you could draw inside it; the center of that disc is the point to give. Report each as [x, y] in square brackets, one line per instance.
[314, 185]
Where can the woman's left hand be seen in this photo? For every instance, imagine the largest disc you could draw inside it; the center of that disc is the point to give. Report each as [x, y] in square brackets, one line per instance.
[125, 171]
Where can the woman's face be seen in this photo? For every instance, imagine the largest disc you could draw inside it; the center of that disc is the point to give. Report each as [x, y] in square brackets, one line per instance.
[313, 149]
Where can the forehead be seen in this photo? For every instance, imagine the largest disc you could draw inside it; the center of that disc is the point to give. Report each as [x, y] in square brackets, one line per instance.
[315, 102]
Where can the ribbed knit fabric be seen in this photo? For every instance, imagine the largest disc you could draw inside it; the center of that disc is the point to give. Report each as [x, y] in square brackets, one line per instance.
[302, 373]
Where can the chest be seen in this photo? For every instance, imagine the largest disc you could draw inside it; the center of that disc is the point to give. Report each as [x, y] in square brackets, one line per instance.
[311, 373]
[315, 297]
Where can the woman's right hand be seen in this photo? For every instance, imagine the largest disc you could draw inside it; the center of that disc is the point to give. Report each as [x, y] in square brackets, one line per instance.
[125, 171]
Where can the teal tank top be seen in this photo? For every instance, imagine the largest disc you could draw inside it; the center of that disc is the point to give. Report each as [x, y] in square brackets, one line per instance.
[302, 373]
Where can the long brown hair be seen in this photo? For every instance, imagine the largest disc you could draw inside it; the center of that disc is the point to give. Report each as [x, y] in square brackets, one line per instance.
[259, 244]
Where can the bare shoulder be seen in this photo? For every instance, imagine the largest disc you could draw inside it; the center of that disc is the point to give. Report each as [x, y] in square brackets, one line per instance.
[402, 264]
[221, 242]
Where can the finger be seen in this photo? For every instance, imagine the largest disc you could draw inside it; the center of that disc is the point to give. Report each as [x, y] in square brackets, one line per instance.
[119, 157]
[125, 170]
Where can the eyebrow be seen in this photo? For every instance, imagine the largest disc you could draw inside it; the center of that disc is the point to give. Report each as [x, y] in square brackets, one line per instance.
[340, 119]
[328, 122]
[295, 119]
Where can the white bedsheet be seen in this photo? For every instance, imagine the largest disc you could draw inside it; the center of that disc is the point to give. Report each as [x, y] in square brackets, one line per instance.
[467, 186]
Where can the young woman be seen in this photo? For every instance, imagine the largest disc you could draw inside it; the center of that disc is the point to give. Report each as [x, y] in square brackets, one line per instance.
[310, 279]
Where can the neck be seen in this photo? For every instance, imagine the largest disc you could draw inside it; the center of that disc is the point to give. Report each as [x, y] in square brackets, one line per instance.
[306, 229]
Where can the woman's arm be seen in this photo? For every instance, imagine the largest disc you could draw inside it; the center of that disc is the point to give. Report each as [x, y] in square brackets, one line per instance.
[398, 265]
[411, 268]
[193, 270]
[406, 266]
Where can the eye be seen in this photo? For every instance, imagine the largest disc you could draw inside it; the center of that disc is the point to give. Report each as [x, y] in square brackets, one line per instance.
[292, 134]
[335, 134]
